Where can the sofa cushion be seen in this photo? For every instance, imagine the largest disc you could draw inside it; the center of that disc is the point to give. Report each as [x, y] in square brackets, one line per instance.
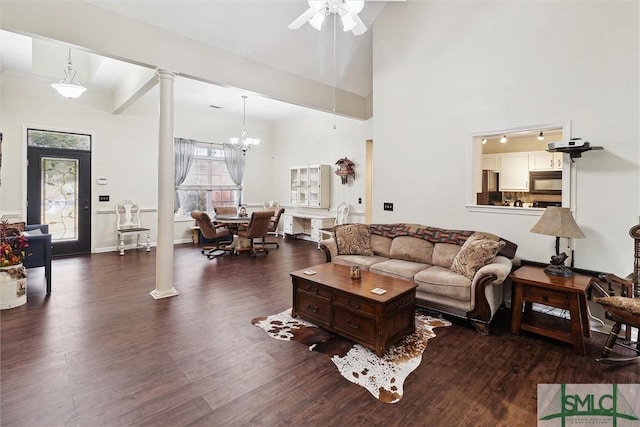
[381, 245]
[444, 254]
[476, 252]
[398, 268]
[442, 281]
[363, 261]
[412, 249]
[353, 239]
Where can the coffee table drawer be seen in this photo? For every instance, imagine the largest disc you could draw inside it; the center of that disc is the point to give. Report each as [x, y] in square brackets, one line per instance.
[313, 289]
[360, 305]
[399, 304]
[349, 323]
[545, 296]
[311, 307]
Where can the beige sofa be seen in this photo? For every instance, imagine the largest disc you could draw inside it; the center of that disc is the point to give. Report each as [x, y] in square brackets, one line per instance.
[442, 263]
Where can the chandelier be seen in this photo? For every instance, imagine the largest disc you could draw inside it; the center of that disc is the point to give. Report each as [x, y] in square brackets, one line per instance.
[319, 9]
[244, 142]
[67, 87]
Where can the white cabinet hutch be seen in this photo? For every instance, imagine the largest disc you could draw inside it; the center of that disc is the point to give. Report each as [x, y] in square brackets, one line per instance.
[310, 186]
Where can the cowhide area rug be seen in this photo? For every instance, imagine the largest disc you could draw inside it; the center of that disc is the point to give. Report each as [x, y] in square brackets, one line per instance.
[382, 376]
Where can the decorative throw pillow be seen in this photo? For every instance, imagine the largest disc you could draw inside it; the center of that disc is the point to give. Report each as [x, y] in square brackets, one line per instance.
[353, 239]
[15, 229]
[475, 253]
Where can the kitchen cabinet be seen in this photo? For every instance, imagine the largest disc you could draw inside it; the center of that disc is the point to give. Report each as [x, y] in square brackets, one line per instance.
[545, 161]
[514, 171]
[491, 162]
[310, 186]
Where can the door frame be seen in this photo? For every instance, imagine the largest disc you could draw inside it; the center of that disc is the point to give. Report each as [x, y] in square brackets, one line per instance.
[92, 206]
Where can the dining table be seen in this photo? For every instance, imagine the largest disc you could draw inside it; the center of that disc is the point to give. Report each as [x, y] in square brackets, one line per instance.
[234, 222]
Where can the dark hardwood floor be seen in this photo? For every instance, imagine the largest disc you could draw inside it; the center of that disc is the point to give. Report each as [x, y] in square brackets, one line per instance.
[100, 351]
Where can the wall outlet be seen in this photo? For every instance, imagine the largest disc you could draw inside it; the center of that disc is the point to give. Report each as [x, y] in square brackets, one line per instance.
[103, 198]
[359, 200]
[388, 206]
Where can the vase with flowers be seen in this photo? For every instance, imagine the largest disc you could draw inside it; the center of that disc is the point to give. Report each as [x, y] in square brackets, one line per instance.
[13, 275]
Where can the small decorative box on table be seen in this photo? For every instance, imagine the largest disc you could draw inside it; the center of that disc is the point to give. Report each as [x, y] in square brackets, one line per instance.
[332, 300]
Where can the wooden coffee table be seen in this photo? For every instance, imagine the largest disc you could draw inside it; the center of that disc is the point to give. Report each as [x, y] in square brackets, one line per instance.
[331, 299]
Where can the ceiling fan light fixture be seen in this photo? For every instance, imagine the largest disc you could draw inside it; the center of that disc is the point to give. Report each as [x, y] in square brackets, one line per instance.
[319, 9]
[67, 87]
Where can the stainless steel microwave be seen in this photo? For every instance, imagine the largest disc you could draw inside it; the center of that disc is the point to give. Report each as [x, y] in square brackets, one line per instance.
[545, 182]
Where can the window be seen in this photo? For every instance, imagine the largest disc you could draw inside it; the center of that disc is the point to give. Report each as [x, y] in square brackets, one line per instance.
[208, 183]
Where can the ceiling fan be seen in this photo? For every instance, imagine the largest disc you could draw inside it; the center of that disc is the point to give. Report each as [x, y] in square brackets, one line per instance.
[347, 10]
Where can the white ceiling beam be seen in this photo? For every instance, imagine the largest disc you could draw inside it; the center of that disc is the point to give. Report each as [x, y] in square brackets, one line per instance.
[137, 83]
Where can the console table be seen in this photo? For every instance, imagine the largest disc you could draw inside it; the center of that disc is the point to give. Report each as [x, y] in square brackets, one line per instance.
[533, 285]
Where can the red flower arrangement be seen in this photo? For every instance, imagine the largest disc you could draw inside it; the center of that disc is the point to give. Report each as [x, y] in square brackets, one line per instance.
[13, 245]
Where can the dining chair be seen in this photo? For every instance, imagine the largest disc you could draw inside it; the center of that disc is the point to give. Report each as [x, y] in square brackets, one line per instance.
[255, 233]
[217, 233]
[342, 217]
[128, 223]
[225, 210]
[273, 228]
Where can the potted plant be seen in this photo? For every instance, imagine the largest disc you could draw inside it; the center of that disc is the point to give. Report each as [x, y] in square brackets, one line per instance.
[13, 275]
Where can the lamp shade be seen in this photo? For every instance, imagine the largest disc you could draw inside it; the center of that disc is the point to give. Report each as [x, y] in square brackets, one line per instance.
[558, 222]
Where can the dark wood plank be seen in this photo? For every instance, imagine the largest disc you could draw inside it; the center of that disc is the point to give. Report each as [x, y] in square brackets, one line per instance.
[101, 351]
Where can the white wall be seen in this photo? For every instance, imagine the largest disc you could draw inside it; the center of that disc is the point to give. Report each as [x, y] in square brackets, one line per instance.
[468, 67]
[311, 141]
[125, 148]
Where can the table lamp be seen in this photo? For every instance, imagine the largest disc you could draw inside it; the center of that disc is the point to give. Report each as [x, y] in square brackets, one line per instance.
[558, 222]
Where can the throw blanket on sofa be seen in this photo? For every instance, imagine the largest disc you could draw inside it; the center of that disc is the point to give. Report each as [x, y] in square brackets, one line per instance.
[432, 234]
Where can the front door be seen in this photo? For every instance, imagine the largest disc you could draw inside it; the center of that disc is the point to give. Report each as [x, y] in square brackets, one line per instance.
[59, 188]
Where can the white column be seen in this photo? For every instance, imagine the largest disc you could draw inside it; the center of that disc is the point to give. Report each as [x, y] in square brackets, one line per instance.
[164, 251]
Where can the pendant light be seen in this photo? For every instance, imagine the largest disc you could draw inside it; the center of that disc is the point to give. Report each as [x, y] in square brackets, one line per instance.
[67, 87]
[244, 142]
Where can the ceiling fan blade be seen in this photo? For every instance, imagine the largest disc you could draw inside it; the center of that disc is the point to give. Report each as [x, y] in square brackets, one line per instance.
[302, 19]
[354, 6]
[360, 28]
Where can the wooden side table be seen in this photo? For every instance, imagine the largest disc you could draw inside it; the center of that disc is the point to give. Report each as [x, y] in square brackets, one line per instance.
[533, 285]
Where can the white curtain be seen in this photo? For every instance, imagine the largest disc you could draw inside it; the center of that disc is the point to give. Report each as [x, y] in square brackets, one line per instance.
[184, 150]
[235, 159]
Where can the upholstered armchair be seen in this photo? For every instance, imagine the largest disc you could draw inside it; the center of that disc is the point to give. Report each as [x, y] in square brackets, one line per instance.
[39, 250]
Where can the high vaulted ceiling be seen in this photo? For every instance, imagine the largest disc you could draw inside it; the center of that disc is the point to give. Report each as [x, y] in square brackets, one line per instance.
[253, 29]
